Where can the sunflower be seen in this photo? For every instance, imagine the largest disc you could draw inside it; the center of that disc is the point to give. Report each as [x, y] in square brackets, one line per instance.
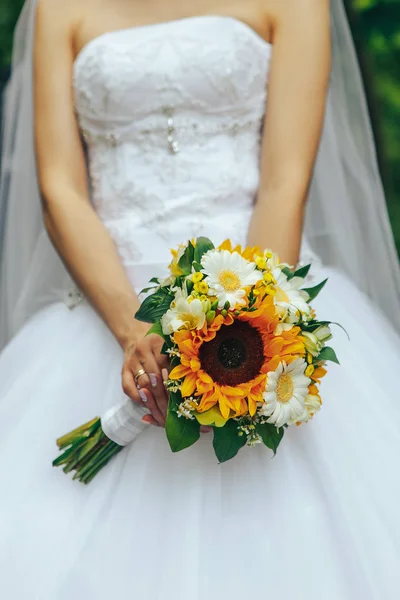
[225, 365]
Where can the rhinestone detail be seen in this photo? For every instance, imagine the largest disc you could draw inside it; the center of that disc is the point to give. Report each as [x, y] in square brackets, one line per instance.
[173, 144]
[73, 298]
[186, 130]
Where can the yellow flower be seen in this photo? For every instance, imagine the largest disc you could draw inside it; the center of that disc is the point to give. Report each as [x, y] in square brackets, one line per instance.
[269, 278]
[309, 371]
[197, 277]
[203, 287]
[176, 271]
[261, 262]
[271, 291]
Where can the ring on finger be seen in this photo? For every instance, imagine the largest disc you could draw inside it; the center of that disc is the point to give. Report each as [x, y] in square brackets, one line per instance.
[139, 374]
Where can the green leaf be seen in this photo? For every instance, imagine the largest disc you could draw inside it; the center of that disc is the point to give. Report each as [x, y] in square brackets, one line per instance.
[181, 432]
[155, 306]
[289, 274]
[168, 343]
[270, 435]
[186, 260]
[146, 290]
[151, 287]
[227, 441]
[328, 353]
[156, 328]
[189, 286]
[314, 291]
[203, 245]
[196, 266]
[303, 272]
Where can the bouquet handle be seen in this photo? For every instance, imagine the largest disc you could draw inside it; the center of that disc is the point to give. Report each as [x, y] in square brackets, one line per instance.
[123, 423]
[87, 449]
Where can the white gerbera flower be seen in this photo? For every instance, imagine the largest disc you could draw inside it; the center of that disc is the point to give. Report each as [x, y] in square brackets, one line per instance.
[183, 314]
[285, 394]
[228, 273]
[289, 298]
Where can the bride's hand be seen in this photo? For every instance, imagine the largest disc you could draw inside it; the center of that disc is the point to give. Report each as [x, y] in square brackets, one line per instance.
[144, 354]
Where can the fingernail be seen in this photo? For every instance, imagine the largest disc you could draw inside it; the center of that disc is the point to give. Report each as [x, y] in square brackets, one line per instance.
[142, 396]
[164, 374]
[153, 380]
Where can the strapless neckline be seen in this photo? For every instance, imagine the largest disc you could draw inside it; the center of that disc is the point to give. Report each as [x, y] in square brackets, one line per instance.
[184, 20]
[172, 114]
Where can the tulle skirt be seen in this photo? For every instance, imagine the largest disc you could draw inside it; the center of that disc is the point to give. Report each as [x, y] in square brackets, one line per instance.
[320, 520]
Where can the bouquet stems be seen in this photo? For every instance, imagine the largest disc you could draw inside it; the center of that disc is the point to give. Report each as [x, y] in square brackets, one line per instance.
[87, 450]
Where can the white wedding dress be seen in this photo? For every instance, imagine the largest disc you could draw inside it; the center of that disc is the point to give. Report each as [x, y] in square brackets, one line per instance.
[171, 114]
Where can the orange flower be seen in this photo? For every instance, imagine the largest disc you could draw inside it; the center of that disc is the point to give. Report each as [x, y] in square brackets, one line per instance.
[318, 374]
[247, 253]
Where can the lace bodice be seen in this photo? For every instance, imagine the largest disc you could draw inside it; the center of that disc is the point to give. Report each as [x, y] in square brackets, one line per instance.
[172, 116]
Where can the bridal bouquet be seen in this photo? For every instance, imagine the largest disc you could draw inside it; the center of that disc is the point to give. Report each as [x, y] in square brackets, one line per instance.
[247, 355]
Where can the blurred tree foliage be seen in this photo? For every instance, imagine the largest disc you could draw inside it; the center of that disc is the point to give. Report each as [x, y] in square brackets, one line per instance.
[376, 29]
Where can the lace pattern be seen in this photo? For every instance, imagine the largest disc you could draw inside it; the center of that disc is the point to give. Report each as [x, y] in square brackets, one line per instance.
[172, 117]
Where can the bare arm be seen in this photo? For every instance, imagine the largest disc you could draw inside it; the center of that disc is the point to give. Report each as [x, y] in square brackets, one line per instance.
[75, 230]
[73, 226]
[296, 101]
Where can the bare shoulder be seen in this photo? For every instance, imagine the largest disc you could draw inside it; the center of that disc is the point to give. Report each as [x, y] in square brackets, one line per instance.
[57, 17]
[304, 14]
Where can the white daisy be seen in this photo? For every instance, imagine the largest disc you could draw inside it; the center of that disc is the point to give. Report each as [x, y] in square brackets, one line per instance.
[228, 273]
[285, 394]
[183, 314]
[289, 298]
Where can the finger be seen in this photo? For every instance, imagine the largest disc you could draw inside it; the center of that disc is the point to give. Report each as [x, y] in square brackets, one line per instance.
[138, 396]
[129, 386]
[151, 404]
[157, 385]
[151, 420]
[205, 429]
[145, 388]
[162, 360]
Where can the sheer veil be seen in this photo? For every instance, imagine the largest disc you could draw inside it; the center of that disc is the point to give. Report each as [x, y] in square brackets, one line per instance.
[347, 223]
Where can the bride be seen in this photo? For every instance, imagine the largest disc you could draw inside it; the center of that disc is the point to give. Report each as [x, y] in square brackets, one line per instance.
[163, 135]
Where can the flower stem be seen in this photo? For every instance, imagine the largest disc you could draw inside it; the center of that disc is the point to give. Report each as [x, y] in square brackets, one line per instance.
[84, 430]
[112, 451]
[87, 450]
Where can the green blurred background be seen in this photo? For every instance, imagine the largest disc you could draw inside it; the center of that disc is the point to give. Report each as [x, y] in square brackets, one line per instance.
[376, 30]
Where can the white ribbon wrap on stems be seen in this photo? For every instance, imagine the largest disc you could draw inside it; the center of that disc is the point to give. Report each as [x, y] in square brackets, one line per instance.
[122, 423]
